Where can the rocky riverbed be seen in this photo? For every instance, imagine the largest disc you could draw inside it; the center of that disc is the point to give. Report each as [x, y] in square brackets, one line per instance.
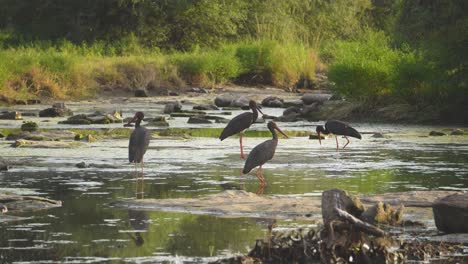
[187, 161]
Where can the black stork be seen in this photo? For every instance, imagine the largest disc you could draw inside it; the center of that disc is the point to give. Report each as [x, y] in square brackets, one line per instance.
[138, 144]
[262, 153]
[338, 128]
[241, 122]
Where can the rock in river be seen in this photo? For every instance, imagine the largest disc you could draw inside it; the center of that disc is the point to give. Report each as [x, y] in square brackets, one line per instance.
[205, 107]
[14, 115]
[172, 107]
[457, 132]
[57, 109]
[315, 98]
[451, 213]
[29, 126]
[223, 100]
[198, 120]
[273, 101]
[437, 133]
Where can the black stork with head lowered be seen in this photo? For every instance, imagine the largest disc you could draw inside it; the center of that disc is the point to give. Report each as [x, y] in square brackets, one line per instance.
[262, 153]
[241, 122]
[138, 144]
[338, 128]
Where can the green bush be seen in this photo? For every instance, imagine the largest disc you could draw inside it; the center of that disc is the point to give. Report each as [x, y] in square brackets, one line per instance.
[364, 68]
[208, 67]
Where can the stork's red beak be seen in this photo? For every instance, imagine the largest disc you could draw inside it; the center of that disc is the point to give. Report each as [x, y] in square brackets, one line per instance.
[279, 130]
[320, 138]
[131, 121]
[258, 108]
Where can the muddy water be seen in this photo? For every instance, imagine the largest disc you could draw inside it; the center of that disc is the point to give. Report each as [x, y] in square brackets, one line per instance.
[86, 229]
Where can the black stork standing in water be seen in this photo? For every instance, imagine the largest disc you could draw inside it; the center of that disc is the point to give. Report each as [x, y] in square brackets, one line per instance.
[262, 153]
[241, 122]
[337, 128]
[138, 144]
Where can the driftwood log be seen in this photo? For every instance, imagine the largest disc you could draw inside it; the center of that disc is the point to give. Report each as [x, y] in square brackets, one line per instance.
[342, 228]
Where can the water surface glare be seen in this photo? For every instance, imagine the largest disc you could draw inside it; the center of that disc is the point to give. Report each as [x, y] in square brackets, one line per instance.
[86, 230]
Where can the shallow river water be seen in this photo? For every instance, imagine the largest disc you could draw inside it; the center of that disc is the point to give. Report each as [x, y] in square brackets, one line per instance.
[86, 230]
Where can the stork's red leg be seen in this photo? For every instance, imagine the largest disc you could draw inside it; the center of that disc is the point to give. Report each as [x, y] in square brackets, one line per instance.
[135, 174]
[347, 142]
[142, 180]
[241, 147]
[336, 138]
[257, 173]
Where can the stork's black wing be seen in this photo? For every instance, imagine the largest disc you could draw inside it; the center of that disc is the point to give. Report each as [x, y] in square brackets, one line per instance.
[341, 128]
[260, 154]
[237, 124]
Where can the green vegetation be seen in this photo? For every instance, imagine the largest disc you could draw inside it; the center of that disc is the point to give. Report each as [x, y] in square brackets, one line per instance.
[377, 52]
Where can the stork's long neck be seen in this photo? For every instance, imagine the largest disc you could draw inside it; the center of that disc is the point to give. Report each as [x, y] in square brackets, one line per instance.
[255, 114]
[273, 133]
[137, 123]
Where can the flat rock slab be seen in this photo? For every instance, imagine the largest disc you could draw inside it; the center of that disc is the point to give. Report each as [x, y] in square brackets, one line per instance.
[231, 203]
[21, 203]
[234, 203]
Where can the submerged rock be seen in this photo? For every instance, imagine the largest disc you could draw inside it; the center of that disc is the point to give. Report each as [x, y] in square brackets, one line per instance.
[29, 126]
[13, 115]
[159, 121]
[95, 118]
[378, 135]
[22, 143]
[57, 110]
[198, 120]
[205, 107]
[451, 213]
[457, 132]
[1, 135]
[437, 133]
[187, 113]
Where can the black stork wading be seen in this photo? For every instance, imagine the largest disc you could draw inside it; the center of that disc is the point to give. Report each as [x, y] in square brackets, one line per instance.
[137, 146]
[262, 153]
[241, 122]
[337, 128]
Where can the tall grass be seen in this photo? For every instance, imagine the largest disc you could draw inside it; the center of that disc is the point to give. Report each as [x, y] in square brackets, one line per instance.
[369, 68]
[62, 69]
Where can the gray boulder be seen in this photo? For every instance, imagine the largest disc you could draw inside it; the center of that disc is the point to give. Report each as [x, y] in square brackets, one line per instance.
[291, 110]
[223, 100]
[273, 101]
[242, 102]
[315, 98]
[451, 213]
[57, 110]
[297, 103]
[172, 107]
